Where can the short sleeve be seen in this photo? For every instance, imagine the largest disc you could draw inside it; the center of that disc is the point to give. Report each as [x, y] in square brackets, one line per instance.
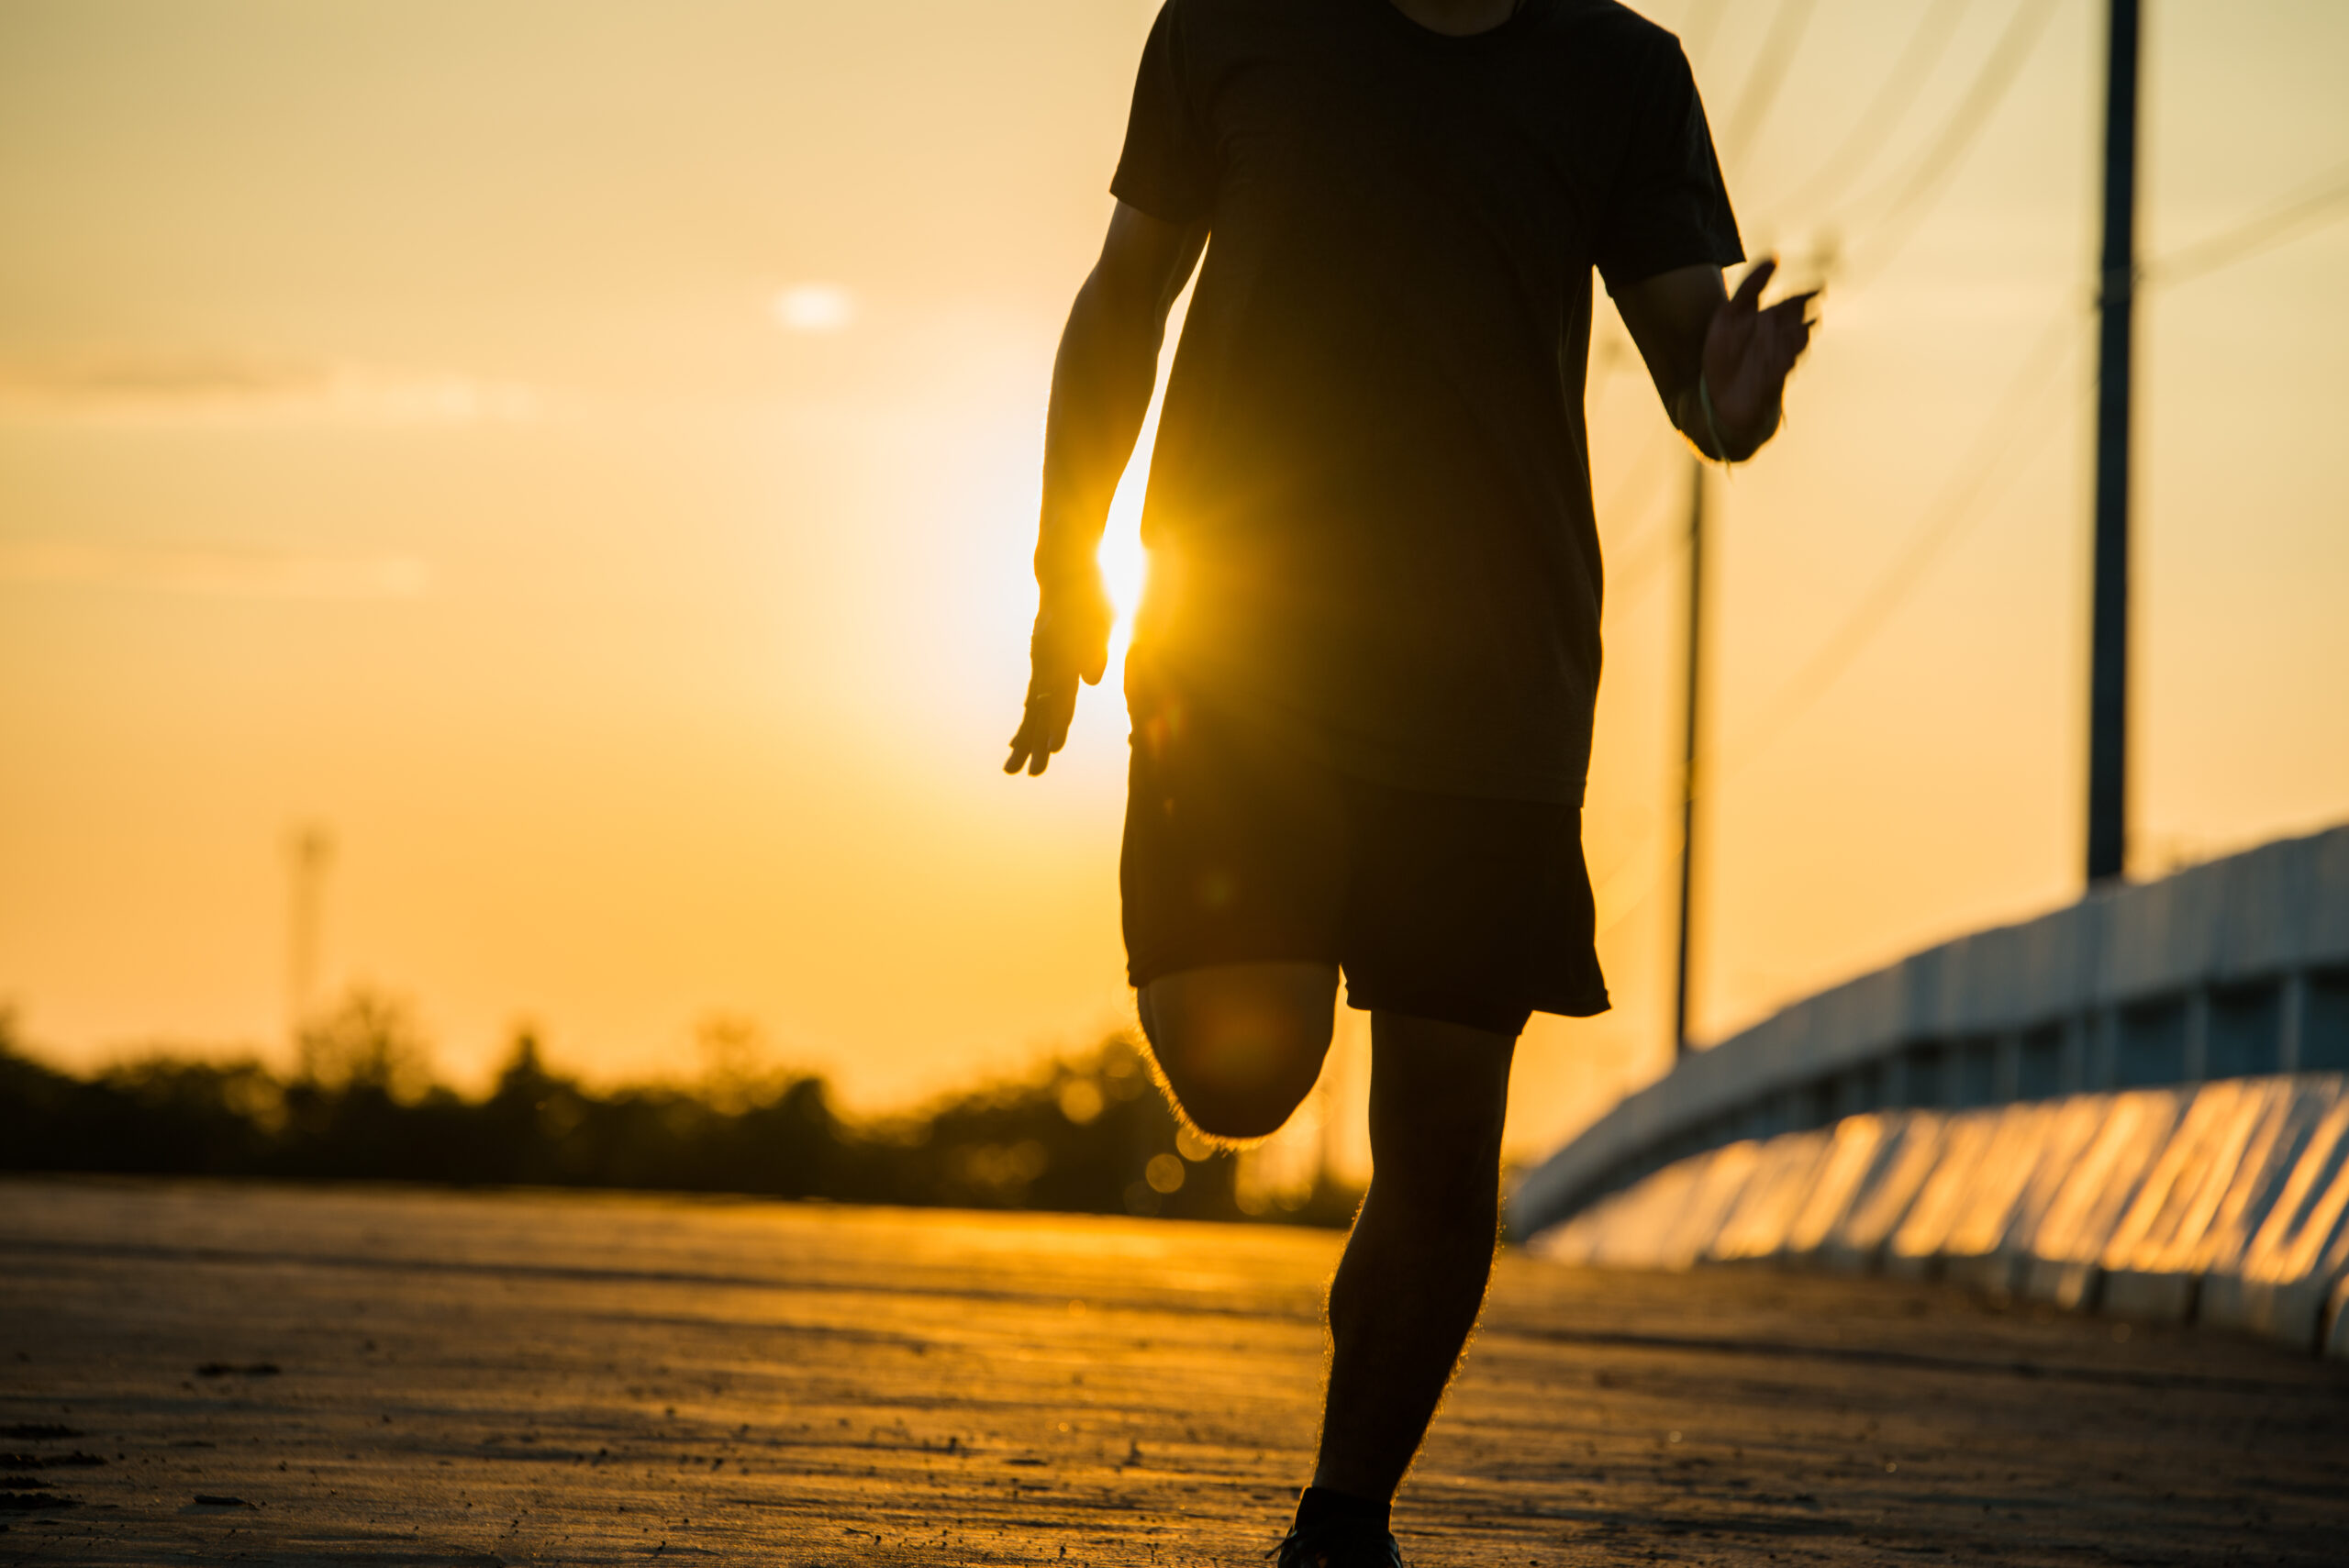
[1168, 166]
[1668, 207]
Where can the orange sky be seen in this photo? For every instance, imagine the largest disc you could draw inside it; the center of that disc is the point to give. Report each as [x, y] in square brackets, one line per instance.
[585, 455]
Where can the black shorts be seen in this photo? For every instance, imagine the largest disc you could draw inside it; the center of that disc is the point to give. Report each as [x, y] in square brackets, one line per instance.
[1240, 848]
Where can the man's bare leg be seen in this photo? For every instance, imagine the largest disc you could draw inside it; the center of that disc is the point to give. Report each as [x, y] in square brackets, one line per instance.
[1240, 1045]
[1412, 1280]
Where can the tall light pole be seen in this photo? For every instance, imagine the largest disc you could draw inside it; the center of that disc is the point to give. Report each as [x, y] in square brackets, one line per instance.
[309, 850]
[1691, 715]
[2108, 839]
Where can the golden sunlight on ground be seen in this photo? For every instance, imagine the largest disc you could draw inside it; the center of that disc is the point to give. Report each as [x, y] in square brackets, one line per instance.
[268, 1375]
[584, 457]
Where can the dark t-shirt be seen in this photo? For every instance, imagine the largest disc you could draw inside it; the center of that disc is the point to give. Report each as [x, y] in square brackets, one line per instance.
[1369, 515]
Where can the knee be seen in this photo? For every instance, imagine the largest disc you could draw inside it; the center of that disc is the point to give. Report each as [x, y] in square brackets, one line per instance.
[1227, 1114]
[1239, 1046]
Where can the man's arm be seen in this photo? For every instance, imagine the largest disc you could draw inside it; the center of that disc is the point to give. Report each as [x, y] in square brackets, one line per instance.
[1101, 385]
[1738, 353]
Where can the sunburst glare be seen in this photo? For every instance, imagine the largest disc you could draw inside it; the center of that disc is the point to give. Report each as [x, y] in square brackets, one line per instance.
[1124, 564]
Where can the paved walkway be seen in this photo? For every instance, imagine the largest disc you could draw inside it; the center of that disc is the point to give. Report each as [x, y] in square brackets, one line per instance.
[392, 1377]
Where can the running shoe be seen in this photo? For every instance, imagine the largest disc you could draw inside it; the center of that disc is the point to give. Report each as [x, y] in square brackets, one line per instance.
[1329, 1546]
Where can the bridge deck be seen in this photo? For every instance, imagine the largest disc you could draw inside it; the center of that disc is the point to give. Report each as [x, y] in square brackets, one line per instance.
[559, 1379]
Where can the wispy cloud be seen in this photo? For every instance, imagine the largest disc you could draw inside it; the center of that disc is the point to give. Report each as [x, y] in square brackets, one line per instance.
[229, 390]
[815, 307]
[223, 573]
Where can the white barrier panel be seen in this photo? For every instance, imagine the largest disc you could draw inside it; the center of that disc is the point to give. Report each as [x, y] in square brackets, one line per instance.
[1668, 1221]
[1916, 1246]
[2247, 945]
[2022, 1172]
[2279, 1288]
[1852, 1156]
[1625, 1239]
[1910, 1152]
[2060, 1251]
[2071, 1131]
[1627, 1236]
[1726, 1173]
[2267, 1172]
[2227, 1202]
[2151, 1264]
[1765, 1212]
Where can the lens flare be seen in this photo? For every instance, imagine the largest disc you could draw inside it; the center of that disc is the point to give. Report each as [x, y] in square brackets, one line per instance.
[1125, 565]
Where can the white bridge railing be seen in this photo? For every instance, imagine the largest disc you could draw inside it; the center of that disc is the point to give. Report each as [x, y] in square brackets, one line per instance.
[2239, 968]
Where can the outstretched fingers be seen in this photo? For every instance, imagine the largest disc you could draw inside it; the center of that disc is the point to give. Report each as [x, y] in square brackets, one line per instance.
[1043, 729]
[1071, 643]
[1785, 331]
[1748, 296]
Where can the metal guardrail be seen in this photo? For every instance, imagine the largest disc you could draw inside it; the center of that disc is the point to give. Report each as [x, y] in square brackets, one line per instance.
[2237, 968]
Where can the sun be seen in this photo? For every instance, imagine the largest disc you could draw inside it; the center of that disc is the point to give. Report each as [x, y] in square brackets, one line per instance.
[1125, 564]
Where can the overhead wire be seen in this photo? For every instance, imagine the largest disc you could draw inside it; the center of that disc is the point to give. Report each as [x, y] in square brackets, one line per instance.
[1896, 96]
[1904, 202]
[2000, 452]
[1921, 183]
[1698, 28]
[2324, 200]
[1975, 479]
[1905, 199]
[1956, 509]
[1649, 547]
[1766, 76]
[1757, 96]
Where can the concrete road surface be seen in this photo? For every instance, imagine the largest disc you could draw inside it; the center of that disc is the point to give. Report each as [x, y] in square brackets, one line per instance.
[234, 1373]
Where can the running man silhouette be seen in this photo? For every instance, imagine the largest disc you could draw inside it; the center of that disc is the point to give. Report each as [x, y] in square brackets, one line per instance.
[1361, 679]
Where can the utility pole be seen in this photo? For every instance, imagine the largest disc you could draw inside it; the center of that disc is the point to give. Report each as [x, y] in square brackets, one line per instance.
[308, 851]
[2116, 300]
[1689, 749]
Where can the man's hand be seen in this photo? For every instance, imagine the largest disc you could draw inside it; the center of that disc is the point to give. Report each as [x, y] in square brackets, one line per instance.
[1736, 352]
[1749, 352]
[1071, 642]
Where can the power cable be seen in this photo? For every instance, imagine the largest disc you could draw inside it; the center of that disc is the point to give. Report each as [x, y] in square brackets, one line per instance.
[1698, 28]
[1913, 196]
[2324, 200]
[1894, 98]
[1907, 198]
[2013, 431]
[1766, 76]
[1757, 97]
[1948, 517]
